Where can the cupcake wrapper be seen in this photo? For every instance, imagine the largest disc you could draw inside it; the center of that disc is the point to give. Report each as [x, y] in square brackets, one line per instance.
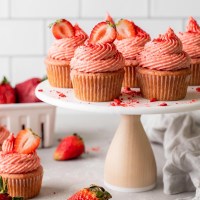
[164, 86]
[97, 87]
[58, 75]
[24, 185]
[130, 79]
[195, 77]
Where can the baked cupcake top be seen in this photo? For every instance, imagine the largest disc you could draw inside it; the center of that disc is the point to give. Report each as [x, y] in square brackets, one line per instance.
[191, 39]
[18, 155]
[68, 38]
[4, 133]
[130, 39]
[98, 54]
[164, 53]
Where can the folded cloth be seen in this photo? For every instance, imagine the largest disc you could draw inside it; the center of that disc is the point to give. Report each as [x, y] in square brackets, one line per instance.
[180, 136]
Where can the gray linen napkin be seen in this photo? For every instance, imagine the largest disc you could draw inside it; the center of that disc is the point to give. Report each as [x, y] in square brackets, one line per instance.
[180, 136]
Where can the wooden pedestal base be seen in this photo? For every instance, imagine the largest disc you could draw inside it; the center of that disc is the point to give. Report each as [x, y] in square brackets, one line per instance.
[130, 164]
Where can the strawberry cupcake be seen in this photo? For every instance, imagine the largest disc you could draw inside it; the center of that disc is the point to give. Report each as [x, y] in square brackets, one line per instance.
[191, 44]
[130, 42]
[4, 133]
[68, 38]
[97, 66]
[20, 165]
[164, 71]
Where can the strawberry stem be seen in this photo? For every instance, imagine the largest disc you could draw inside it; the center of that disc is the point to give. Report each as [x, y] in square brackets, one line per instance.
[5, 81]
[56, 22]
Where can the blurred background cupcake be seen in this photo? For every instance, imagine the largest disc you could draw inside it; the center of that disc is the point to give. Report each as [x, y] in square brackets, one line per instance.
[191, 44]
[130, 42]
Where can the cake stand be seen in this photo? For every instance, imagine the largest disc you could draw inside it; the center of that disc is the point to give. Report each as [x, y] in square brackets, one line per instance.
[130, 164]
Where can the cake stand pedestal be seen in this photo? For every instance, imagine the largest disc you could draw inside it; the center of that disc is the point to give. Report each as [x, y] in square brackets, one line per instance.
[130, 164]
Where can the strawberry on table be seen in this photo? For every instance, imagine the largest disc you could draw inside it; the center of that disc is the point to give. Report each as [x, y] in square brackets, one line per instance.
[69, 148]
[125, 29]
[26, 90]
[103, 32]
[94, 192]
[7, 93]
[4, 192]
[26, 141]
[62, 28]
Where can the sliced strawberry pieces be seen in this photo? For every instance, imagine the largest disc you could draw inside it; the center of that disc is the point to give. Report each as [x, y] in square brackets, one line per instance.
[103, 32]
[26, 142]
[109, 19]
[125, 29]
[78, 30]
[62, 29]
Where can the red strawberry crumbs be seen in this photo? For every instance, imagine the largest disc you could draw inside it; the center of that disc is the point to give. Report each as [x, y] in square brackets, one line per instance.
[198, 89]
[153, 100]
[40, 90]
[163, 104]
[62, 95]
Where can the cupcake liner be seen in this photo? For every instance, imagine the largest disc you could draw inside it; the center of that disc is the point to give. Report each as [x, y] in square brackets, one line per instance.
[97, 87]
[195, 76]
[24, 185]
[163, 85]
[58, 73]
[130, 79]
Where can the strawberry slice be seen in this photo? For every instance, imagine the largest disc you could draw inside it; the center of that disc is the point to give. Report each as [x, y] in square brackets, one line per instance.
[26, 142]
[62, 29]
[103, 32]
[109, 18]
[78, 30]
[125, 29]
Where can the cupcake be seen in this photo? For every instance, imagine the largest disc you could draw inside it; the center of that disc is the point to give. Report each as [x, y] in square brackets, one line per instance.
[20, 165]
[191, 44]
[130, 42]
[97, 66]
[164, 71]
[68, 38]
[4, 133]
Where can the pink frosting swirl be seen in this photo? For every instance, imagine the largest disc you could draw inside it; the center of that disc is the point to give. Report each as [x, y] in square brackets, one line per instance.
[63, 49]
[191, 39]
[4, 133]
[131, 47]
[164, 53]
[16, 163]
[97, 58]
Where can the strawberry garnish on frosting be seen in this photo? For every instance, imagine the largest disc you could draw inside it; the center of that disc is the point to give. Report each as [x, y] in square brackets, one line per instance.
[125, 29]
[79, 31]
[8, 144]
[192, 26]
[102, 33]
[62, 29]
[109, 18]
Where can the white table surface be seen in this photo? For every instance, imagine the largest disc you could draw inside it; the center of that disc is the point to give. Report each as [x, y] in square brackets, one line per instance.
[63, 178]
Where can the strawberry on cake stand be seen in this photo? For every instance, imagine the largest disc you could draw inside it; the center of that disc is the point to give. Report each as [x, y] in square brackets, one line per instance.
[130, 164]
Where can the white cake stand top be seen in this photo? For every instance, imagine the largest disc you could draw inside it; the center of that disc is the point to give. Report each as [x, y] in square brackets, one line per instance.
[131, 102]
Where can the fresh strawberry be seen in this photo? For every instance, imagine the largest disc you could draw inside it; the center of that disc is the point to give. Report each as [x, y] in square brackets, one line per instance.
[26, 90]
[26, 141]
[109, 18]
[62, 29]
[103, 32]
[94, 192]
[7, 93]
[78, 30]
[125, 29]
[4, 192]
[8, 144]
[4, 133]
[70, 147]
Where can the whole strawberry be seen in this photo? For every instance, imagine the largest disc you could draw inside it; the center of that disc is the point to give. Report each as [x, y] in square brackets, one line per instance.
[70, 147]
[7, 93]
[4, 192]
[94, 192]
[26, 91]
